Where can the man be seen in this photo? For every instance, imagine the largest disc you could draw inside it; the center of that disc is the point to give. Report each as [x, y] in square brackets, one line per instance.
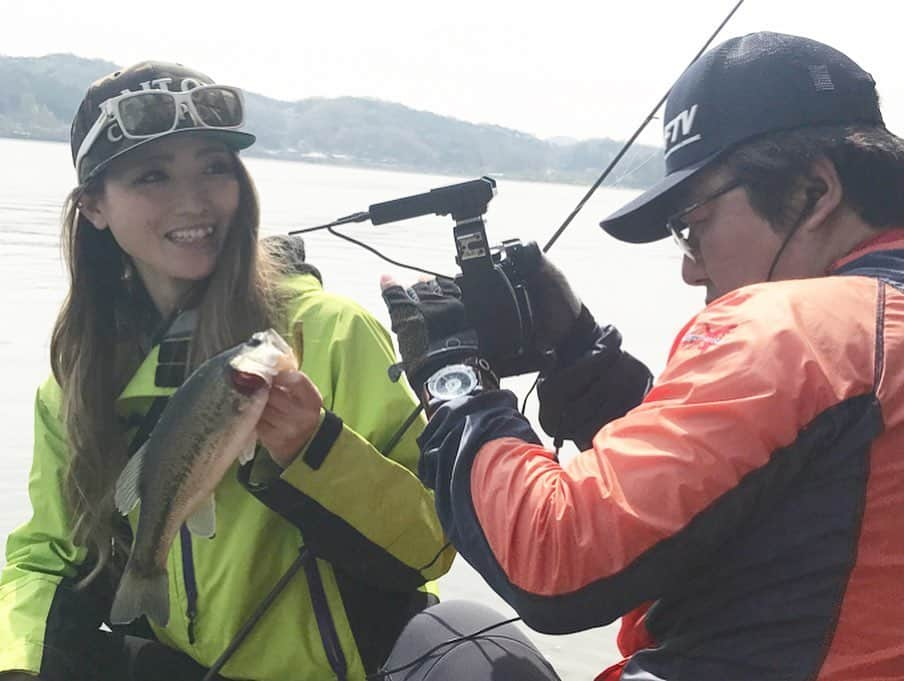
[741, 519]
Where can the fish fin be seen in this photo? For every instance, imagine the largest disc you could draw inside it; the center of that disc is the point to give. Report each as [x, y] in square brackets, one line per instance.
[139, 595]
[247, 454]
[127, 495]
[203, 521]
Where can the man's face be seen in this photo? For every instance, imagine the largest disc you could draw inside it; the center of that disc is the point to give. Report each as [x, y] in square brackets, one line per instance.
[732, 245]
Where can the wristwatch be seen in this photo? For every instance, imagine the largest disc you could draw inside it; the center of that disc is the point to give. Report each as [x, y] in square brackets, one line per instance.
[449, 382]
[458, 380]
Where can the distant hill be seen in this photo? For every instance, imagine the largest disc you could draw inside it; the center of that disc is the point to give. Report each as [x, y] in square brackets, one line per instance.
[39, 95]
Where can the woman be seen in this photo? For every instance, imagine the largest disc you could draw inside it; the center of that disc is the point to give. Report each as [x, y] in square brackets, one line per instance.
[161, 239]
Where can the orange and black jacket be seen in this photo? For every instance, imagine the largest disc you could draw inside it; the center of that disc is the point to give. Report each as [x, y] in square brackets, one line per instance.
[745, 517]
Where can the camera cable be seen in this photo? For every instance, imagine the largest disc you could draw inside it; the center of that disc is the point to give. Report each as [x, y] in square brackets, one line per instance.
[361, 217]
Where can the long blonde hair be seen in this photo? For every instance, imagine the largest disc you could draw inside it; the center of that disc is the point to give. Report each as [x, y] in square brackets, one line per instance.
[100, 339]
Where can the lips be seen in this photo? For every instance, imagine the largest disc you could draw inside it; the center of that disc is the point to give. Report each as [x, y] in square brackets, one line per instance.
[190, 235]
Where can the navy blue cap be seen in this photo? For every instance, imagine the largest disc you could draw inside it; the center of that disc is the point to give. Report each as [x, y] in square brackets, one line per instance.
[745, 87]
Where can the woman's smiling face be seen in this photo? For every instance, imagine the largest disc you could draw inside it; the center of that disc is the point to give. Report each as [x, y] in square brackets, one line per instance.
[170, 204]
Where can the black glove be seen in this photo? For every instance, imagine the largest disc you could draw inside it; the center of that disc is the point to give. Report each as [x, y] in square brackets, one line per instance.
[555, 306]
[592, 381]
[581, 396]
[429, 321]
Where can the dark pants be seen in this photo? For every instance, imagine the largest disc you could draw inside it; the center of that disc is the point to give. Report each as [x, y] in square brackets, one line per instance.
[431, 637]
[106, 656]
[151, 661]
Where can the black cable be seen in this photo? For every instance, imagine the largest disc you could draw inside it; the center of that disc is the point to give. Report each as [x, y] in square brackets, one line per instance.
[383, 673]
[627, 145]
[812, 198]
[435, 558]
[781, 249]
[524, 402]
[361, 217]
[354, 217]
[394, 440]
[380, 255]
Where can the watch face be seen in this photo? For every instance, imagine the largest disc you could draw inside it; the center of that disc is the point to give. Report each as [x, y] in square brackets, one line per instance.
[452, 381]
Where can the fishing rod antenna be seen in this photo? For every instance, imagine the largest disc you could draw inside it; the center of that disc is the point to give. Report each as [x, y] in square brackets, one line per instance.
[627, 145]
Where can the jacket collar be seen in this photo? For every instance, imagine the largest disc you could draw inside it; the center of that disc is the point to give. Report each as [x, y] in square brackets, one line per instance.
[164, 368]
[881, 257]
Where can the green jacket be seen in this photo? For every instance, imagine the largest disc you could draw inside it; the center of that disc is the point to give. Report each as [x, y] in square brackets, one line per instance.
[365, 517]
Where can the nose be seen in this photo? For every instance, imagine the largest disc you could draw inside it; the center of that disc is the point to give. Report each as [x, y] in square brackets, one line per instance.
[692, 272]
[192, 197]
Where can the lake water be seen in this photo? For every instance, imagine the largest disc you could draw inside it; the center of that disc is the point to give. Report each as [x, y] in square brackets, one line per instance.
[638, 288]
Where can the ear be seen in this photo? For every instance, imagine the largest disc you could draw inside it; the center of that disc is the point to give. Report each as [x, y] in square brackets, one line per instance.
[823, 194]
[92, 207]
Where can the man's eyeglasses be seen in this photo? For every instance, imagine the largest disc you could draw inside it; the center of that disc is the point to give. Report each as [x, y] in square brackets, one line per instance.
[148, 113]
[680, 230]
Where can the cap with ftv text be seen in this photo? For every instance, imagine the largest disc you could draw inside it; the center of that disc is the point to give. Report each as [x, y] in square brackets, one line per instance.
[745, 87]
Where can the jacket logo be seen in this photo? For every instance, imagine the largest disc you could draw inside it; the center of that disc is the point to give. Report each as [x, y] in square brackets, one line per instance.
[678, 132]
[707, 335]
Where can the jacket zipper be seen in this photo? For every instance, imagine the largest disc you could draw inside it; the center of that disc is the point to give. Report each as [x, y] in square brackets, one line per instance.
[325, 623]
[191, 583]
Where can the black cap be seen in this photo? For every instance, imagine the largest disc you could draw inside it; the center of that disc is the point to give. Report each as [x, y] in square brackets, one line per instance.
[743, 88]
[142, 76]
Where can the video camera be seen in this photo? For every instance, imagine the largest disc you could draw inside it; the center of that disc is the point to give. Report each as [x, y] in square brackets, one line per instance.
[493, 278]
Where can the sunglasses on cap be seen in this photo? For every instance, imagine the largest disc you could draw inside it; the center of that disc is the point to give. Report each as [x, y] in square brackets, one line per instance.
[680, 230]
[150, 113]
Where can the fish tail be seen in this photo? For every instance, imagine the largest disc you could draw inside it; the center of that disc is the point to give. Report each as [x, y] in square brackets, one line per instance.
[139, 594]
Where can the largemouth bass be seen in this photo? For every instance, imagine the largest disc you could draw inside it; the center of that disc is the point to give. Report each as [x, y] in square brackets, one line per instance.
[208, 423]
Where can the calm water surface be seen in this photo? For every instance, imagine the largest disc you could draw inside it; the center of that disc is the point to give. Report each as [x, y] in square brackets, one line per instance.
[636, 287]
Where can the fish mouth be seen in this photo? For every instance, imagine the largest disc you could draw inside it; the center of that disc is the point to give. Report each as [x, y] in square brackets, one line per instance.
[247, 382]
[264, 355]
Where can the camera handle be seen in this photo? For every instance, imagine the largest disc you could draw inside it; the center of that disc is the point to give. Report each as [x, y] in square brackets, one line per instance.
[495, 306]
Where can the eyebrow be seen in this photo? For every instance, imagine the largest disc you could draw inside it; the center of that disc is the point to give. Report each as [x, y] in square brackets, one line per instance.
[204, 151]
[701, 193]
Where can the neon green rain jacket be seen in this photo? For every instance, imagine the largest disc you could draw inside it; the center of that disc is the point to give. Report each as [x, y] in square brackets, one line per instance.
[364, 522]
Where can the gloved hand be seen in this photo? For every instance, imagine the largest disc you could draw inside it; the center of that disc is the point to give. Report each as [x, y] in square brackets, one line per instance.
[556, 307]
[429, 322]
[580, 397]
[592, 381]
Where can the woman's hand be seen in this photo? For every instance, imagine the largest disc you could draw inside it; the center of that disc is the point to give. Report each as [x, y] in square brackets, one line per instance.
[291, 416]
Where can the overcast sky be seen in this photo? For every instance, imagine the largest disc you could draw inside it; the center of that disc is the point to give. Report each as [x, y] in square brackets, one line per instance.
[576, 68]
